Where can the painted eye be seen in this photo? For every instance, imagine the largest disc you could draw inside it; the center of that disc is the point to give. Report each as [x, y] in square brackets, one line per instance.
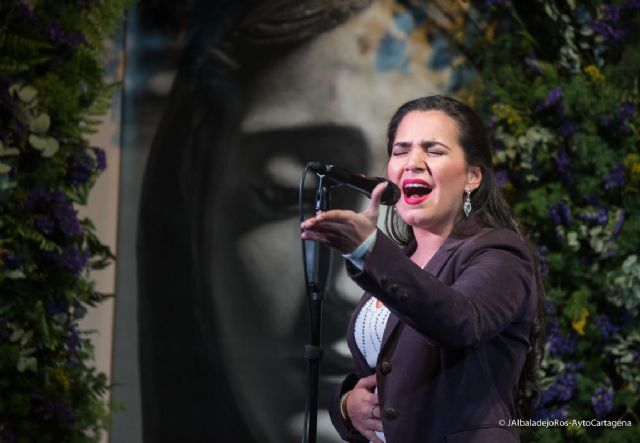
[283, 199]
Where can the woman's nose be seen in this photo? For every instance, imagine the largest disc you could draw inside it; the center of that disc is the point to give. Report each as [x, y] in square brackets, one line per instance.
[416, 160]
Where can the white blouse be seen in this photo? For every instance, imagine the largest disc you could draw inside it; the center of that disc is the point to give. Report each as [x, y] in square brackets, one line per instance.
[368, 332]
[369, 329]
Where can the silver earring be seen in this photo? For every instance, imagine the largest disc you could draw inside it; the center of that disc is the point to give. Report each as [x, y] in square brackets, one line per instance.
[467, 203]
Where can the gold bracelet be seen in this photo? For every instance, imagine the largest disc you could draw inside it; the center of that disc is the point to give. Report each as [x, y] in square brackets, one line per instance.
[343, 409]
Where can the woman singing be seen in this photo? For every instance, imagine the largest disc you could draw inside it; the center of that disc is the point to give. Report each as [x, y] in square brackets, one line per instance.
[445, 337]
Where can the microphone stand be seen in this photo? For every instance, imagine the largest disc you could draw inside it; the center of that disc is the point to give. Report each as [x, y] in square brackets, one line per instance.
[317, 260]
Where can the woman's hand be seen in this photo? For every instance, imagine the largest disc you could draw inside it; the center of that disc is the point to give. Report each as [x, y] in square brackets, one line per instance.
[363, 408]
[344, 230]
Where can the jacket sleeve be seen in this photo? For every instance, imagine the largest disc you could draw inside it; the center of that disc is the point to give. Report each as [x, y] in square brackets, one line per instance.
[493, 283]
[350, 435]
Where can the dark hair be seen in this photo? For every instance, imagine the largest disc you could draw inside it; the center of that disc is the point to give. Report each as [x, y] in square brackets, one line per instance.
[489, 205]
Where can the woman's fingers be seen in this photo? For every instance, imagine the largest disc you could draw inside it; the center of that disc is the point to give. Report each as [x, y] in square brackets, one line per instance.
[376, 196]
[368, 383]
[363, 408]
[340, 229]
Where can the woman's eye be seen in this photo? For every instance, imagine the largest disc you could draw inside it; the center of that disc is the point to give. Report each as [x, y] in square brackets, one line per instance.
[435, 152]
[398, 152]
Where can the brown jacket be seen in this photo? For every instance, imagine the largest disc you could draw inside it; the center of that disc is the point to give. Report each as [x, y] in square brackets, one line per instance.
[455, 342]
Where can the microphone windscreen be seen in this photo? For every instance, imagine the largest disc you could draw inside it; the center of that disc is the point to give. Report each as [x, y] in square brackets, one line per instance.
[391, 194]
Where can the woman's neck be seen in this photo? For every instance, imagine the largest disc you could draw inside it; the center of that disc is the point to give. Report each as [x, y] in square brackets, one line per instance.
[428, 243]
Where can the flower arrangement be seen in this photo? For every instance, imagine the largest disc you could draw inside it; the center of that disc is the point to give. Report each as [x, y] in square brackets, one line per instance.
[557, 82]
[52, 94]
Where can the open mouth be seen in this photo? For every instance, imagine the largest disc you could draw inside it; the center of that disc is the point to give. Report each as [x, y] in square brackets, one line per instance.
[415, 190]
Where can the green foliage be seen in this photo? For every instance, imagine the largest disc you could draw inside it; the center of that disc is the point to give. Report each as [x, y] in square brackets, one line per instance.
[558, 84]
[52, 94]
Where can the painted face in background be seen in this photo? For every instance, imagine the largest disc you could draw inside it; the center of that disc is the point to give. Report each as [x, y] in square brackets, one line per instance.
[323, 102]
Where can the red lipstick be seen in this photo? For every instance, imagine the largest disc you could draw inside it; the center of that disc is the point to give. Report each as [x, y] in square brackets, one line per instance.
[415, 191]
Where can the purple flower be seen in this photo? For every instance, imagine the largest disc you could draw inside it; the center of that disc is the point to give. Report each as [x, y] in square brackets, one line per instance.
[73, 342]
[54, 33]
[68, 222]
[563, 161]
[612, 12]
[53, 409]
[26, 12]
[594, 216]
[555, 216]
[57, 35]
[543, 259]
[549, 307]
[56, 307]
[560, 214]
[11, 260]
[44, 224]
[565, 386]
[557, 413]
[554, 97]
[537, 106]
[71, 259]
[53, 207]
[502, 177]
[616, 178]
[620, 119]
[605, 326]
[626, 111]
[568, 128]
[101, 159]
[81, 167]
[602, 400]
[559, 343]
[562, 390]
[608, 31]
[531, 61]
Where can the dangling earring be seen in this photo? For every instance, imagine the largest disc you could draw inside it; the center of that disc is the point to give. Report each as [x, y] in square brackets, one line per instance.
[467, 202]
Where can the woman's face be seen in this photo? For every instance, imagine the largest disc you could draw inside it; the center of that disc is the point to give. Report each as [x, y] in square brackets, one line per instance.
[428, 164]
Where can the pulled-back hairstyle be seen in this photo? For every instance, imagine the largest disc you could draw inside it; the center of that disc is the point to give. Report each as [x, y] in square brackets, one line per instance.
[488, 204]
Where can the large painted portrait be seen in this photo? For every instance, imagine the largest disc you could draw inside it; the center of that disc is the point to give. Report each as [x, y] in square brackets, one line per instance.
[262, 87]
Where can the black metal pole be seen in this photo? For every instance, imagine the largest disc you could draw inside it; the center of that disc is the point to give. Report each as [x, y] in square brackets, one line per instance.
[317, 258]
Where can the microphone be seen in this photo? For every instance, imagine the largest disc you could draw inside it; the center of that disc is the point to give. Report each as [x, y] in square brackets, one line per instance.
[359, 182]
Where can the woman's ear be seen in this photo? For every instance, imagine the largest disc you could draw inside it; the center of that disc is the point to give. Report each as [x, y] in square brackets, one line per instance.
[474, 177]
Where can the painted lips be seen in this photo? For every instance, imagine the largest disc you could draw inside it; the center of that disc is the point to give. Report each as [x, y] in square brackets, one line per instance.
[415, 191]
